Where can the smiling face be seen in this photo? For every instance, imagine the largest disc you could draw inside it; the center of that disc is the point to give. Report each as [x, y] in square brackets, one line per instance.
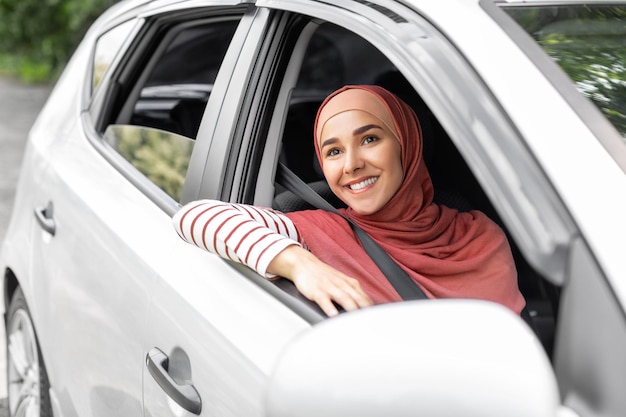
[361, 160]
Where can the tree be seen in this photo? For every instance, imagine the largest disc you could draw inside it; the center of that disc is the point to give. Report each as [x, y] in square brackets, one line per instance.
[40, 35]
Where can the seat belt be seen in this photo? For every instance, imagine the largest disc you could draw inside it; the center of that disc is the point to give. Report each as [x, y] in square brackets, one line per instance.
[397, 277]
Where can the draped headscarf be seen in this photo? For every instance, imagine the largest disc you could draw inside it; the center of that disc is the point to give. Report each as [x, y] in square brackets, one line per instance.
[449, 254]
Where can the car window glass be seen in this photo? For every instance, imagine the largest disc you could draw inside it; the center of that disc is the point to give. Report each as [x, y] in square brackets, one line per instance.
[107, 47]
[157, 125]
[161, 156]
[589, 44]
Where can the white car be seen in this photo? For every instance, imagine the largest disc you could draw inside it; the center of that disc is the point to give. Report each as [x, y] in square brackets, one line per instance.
[523, 107]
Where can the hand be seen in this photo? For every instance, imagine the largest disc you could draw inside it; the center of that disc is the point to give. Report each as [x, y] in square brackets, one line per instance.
[318, 281]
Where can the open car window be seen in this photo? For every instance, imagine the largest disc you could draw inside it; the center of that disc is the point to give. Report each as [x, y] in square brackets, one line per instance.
[334, 57]
[155, 128]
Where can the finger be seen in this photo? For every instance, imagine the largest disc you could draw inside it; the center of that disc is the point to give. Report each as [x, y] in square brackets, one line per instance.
[327, 306]
[351, 298]
[325, 297]
[345, 300]
[362, 299]
[358, 295]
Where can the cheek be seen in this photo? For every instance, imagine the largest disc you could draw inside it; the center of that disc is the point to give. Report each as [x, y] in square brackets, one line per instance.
[331, 171]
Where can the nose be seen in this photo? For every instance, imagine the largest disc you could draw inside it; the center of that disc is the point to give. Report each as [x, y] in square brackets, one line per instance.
[353, 161]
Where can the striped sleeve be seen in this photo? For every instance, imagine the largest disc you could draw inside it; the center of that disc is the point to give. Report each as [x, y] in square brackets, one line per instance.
[243, 233]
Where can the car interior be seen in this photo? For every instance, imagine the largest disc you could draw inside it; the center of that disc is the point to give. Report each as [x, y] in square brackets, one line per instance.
[355, 61]
[170, 96]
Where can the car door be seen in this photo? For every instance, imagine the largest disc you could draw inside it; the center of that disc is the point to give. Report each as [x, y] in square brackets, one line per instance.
[214, 330]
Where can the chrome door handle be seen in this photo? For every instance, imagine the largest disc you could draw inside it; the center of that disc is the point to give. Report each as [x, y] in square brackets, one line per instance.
[45, 218]
[183, 393]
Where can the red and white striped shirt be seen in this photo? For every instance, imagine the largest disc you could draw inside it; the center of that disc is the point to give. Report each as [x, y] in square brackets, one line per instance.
[243, 233]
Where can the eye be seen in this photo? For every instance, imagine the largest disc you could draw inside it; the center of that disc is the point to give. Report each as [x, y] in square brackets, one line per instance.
[332, 152]
[369, 139]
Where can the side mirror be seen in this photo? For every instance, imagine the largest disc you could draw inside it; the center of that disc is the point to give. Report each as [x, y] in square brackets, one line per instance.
[430, 358]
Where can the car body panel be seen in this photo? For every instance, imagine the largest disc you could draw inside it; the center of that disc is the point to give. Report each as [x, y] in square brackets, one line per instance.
[86, 255]
[232, 331]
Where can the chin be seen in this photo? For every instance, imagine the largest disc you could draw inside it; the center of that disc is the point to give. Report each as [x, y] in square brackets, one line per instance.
[363, 207]
[365, 211]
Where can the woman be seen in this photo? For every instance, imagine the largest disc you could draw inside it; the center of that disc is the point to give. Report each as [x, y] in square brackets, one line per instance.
[369, 146]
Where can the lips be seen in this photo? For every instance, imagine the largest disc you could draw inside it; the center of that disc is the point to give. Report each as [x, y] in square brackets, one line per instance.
[362, 184]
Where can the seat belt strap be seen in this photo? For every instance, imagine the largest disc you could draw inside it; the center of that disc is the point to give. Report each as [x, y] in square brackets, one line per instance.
[397, 277]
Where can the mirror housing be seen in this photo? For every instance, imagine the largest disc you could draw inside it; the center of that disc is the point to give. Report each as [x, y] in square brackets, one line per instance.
[431, 358]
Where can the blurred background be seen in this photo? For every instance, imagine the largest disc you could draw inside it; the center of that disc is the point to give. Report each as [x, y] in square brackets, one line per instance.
[38, 36]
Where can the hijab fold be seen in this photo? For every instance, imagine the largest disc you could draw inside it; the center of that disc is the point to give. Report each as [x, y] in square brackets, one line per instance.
[447, 253]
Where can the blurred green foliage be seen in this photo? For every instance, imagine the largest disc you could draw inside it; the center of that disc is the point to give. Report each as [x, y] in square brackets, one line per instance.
[589, 44]
[161, 156]
[37, 37]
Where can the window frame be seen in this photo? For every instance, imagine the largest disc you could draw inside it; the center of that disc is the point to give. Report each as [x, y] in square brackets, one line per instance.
[457, 97]
[222, 129]
[139, 49]
[127, 110]
[95, 101]
[116, 56]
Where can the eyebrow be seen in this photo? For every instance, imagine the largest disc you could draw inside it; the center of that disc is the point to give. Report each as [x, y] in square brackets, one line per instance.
[358, 131]
[363, 129]
[328, 142]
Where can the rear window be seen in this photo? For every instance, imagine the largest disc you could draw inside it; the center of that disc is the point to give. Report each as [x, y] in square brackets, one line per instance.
[107, 47]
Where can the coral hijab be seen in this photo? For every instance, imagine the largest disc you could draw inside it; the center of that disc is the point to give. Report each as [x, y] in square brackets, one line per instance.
[447, 253]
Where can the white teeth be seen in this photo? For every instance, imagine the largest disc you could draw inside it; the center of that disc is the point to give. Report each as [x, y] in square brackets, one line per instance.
[363, 184]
